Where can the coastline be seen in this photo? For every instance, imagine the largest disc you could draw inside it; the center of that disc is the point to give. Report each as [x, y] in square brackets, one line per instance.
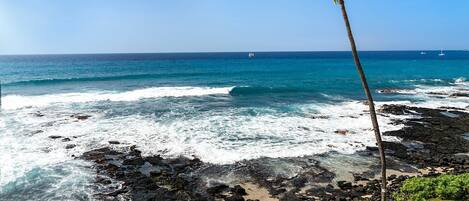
[431, 144]
[280, 128]
[234, 101]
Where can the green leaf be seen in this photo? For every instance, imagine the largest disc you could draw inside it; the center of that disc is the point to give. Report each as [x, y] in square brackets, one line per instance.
[443, 187]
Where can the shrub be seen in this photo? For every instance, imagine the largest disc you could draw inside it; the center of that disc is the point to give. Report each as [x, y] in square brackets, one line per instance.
[445, 187]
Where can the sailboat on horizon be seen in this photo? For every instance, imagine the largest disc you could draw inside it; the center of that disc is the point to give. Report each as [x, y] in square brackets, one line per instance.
[441, 53]
[251, 55]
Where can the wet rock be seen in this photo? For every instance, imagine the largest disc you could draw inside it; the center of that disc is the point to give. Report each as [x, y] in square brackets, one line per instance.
[318, 117]
[389, 91]
[344, 185]
[154, 160]
[394, 109]
[38, 114]
[278, 191]
[440, 136]
[103, 180]
[359, 178]
[37, 132]
[397, 149]
[290, 196]
[460, 94]
[182, 196]
[437, 93]
[117, 192]
[401, 178]
[81, 116]
[134, 161]
[70, 146]
[450, 108]
[372, 149]
[158, 184]
[360, 189]
[238, 190]
[235, 198]
[299, 182]
[155, 173]
[217, 189]
[342, 131]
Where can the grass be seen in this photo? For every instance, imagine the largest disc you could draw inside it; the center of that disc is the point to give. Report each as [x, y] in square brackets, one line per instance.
[441, 188]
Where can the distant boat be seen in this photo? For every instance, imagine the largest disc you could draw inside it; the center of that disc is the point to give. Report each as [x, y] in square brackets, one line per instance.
[441, 53]
[423, 53]
[251, 55]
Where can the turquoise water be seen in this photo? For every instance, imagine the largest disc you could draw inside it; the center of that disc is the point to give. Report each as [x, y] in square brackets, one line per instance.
[327, 72]
[221, 107]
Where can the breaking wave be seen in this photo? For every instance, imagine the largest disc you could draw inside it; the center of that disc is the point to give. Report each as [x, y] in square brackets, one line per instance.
[248, 90]
[18, 101]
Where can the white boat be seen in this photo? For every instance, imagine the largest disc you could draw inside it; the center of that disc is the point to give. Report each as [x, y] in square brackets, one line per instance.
[423, 53]
[441, 53]
[251, 55]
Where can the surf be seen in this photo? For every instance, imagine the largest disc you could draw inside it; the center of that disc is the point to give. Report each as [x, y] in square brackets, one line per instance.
[19, 101]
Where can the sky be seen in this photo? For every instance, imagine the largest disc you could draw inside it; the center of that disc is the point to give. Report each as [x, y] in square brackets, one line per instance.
[147, 26]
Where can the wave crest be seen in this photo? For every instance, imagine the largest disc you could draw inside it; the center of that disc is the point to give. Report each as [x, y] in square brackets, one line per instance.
[460, 80]
[17, 101]
[101, 78]
[248, 90]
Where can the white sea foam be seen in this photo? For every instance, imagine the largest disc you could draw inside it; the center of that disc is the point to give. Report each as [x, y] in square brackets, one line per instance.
[425, 90]
[218, 136]
[26, 154]
[227, 138]
[461, 81]
[438, 96]
[418, 80]
[16, 101]
[437, 101]
[71, 180]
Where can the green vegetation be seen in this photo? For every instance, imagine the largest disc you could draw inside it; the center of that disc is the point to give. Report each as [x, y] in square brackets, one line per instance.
[444, 187]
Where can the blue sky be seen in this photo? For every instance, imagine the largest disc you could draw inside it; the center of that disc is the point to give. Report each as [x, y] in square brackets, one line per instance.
[110, 26]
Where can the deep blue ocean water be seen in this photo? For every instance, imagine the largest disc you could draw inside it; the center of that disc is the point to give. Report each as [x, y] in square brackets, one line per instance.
[274, 74]
[221, 107]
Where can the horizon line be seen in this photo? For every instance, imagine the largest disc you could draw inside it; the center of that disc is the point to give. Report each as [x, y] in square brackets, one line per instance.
[221, 52]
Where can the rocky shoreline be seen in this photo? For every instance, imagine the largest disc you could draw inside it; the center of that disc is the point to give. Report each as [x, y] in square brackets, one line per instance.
[433, 142]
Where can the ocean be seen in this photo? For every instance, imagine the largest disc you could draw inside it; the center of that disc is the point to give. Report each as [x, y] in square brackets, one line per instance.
[219, 107]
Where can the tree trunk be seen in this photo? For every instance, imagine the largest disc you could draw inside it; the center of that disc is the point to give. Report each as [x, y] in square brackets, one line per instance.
[374, 120]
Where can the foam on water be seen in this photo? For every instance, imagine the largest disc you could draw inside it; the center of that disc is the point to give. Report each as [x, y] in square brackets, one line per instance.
[432, 96]
[461, 80]
[71, 180]
[16, 101]
[215, 136]
[418, 81]
[34, 168]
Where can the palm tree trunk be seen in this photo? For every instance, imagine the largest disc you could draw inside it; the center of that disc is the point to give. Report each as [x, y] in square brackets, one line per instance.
[374, 120]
